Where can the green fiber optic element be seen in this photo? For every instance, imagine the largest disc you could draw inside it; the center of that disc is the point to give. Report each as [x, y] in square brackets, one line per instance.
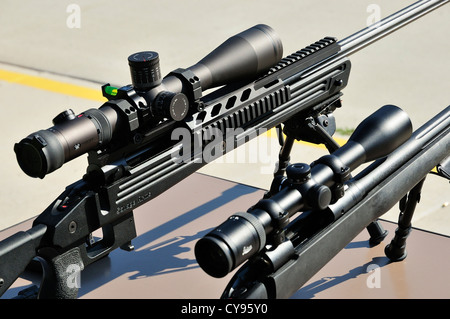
[111, 90]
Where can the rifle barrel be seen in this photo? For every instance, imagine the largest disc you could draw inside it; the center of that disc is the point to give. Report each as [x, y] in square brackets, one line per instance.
[395, 21]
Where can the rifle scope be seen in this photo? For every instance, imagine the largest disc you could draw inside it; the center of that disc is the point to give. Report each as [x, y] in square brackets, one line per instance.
[306, 187]
[240, 58]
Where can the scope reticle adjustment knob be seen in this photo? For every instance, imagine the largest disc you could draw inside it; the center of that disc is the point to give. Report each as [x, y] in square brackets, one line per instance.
[64, 116]
[298, 173]
[145, 70]
[316, 196]
[171, 105]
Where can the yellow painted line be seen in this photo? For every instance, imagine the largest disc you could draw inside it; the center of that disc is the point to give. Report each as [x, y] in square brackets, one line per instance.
[90, 94]
[52, 85]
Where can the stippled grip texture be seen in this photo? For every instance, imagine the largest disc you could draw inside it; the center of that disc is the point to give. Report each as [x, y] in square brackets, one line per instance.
[62, 276]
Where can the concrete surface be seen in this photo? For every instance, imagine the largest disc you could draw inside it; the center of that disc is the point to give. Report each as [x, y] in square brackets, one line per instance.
[408, 68]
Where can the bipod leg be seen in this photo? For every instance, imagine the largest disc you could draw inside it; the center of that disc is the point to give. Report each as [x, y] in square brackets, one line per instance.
[396, 250]
[377, 233]
[284, 156]
[309, 131]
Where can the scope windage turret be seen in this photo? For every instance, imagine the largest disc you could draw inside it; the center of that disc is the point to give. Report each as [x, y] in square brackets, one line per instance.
[241, 57]
[244, 234]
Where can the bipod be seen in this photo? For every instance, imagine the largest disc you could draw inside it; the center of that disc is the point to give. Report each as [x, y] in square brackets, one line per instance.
[396, 250]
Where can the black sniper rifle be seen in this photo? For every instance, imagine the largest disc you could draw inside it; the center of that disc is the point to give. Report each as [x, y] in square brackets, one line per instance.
[130, 146]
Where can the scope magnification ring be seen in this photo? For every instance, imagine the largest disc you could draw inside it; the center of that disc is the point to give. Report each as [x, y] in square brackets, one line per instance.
[256, 223]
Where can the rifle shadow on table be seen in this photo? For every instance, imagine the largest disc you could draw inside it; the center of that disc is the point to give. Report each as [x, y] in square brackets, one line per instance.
[312, 289]
[163, 255]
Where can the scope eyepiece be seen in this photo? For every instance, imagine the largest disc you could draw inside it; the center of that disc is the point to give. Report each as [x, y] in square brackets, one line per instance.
[230, 244]
[39, 153]
[44, 151]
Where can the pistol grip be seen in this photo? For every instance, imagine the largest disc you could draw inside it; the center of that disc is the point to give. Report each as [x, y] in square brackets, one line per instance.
[61, 278]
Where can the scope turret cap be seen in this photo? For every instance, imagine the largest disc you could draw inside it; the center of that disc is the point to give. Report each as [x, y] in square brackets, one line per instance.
[298, 173]
[145, 70]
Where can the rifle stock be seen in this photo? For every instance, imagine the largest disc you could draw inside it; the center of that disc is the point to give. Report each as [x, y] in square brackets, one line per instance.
[16, 253]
